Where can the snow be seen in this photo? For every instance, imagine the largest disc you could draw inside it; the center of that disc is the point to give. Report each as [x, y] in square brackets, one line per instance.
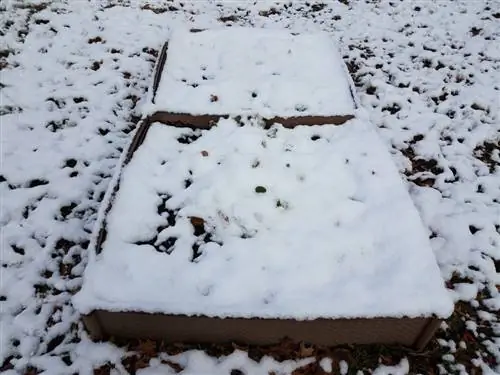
[326, 364]
[343, 367]
[449, 358]
[197, 362]
[402, 368]
[465, 291]
[242, 71]
[332, 220]
[55, 107]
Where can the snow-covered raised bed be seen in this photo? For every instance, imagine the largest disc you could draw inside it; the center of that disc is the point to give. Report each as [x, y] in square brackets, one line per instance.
[295, 79]
[250, 234]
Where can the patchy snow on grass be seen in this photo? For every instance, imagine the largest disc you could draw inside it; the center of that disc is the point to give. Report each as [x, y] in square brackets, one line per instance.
[299, 219]
[197, 362]
[242, 71]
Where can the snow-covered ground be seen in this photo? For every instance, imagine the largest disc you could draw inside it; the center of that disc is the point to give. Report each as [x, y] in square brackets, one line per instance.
[72, 80]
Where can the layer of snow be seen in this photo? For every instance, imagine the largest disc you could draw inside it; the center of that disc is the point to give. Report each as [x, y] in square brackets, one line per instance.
[465, 291]
[343, 367]
[326, 364]
[253, 71]
[196, 362]
[402, 368]
[305, 223]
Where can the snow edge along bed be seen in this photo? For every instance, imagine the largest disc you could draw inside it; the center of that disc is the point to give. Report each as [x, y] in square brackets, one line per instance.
[206, 121]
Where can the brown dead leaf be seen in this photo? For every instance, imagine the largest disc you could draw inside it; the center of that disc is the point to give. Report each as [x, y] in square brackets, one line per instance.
[147, 347]
[175, 348]
[197, 221]
[468, 337]
[386, 360]
[175, 366]
[305, 350]
[32, 371]
[134, 363]
[310, 369]
[103, 370]
[285, 349]
[142, 362]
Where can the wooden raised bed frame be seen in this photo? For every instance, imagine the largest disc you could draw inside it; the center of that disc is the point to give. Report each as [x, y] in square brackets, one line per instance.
[412, 332]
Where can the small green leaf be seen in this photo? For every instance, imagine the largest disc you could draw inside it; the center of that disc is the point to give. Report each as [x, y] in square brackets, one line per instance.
[260, 189]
